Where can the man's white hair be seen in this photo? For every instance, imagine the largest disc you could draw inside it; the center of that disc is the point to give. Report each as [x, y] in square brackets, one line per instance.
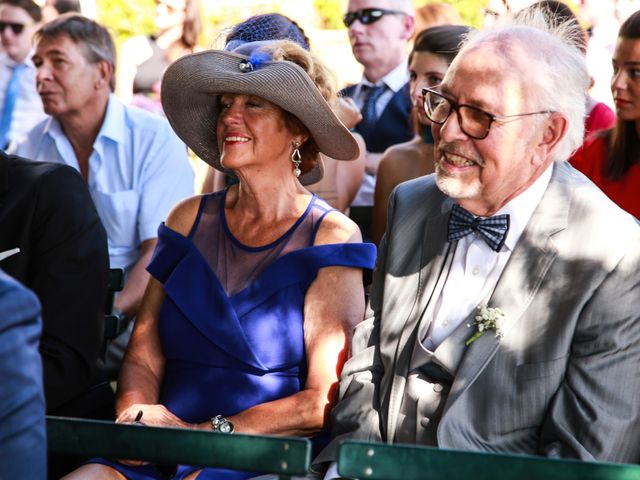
[557, 75]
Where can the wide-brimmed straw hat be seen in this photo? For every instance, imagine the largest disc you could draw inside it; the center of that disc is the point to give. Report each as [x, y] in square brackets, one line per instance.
[191, 87]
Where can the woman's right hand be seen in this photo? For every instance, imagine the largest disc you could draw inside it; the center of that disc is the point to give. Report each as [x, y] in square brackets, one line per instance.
[150, 415]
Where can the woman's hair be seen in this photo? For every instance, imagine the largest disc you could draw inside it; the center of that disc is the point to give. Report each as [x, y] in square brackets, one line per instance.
[444, 40]
[623, 140]
[66, 6]
[268, 26]
[320, 75]
[192, 24]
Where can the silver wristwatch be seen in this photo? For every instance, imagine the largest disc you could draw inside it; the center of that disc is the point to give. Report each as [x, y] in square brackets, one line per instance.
[221, 424]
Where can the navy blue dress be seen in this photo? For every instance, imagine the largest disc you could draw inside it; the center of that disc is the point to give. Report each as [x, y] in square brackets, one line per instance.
[231, 325]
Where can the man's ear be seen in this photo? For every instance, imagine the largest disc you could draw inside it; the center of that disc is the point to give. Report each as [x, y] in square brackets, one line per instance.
[555, 129]
[104, 73]
[408, 23]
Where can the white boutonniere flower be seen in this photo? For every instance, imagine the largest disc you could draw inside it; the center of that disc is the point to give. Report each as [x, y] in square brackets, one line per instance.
[487, 319]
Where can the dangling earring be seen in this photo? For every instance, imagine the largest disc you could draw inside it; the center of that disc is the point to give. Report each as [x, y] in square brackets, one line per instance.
[296, 159]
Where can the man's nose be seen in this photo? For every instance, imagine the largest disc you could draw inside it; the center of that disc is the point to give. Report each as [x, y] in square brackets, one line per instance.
[356, 28]
[43, 73]
[451, 129]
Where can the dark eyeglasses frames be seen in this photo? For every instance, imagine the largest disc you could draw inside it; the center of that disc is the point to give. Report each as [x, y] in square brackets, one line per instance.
[474, 122]
[367, 16]
[16, 28]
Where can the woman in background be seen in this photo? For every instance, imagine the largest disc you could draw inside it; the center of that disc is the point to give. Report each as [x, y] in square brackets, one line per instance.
[142, 59]
[433, 52]
[611, 159]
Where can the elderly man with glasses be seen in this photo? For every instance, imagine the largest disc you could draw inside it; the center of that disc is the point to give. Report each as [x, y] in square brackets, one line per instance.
[379, 31]
[504, 309]
[20, 104]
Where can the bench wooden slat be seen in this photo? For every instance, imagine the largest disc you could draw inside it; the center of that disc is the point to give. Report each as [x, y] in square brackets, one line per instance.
[403, 462]
[268, 454]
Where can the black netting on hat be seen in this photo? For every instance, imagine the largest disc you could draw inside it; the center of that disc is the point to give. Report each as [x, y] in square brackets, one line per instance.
[269, 26]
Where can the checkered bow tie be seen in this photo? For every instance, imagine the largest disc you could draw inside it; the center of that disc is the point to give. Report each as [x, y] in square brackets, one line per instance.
[493, 230]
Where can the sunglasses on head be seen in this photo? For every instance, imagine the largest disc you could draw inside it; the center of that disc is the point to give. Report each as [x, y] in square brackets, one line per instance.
[16, 28]
[367, 16]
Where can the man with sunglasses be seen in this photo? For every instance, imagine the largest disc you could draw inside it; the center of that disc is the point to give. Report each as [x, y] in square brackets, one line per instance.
[504, 308]
[20, 104]
[379, 31]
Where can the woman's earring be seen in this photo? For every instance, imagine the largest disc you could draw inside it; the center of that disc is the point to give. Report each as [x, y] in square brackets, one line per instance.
[296, 159]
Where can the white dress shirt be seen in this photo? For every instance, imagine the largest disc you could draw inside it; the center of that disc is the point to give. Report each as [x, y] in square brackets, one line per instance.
[394, 81]
[138, 171]
[28, 109]
[476, 268]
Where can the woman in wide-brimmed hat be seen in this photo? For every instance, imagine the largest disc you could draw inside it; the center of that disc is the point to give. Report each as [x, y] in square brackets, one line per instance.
[254, 289]
[341, 180]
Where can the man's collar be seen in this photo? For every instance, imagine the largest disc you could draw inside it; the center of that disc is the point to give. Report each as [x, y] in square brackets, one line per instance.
[7, 60]
[521, 207]
[394, 80]
[112, 125]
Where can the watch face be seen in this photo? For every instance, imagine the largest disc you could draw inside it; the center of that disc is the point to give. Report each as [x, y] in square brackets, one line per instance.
[226, 427]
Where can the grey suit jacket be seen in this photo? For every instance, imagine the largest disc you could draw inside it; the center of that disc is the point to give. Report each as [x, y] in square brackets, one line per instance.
[564, 381]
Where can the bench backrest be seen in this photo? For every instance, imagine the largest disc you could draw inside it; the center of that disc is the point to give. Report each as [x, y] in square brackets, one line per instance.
[284, 456]
[402, 462]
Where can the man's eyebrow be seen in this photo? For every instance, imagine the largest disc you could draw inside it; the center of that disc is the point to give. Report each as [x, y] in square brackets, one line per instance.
[54, 51]
[473, 102]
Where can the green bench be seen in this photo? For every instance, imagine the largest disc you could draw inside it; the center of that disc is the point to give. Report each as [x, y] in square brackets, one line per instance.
[403, 462]
[284, 456]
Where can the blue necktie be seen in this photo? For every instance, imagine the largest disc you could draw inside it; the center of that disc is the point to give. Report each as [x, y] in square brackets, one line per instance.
[493, 230]
[369, 116]
[11, 95]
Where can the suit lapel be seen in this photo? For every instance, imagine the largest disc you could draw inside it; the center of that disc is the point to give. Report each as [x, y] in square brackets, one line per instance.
[521, 279]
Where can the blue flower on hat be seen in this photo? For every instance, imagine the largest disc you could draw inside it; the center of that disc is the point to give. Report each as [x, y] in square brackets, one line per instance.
[255, 60]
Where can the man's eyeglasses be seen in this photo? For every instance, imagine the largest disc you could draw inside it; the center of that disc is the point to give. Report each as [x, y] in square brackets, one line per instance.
[367, 16]
[473, 121]
[16, 28]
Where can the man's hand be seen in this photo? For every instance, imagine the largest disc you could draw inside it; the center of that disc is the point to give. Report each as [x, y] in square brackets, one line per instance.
[348, 112]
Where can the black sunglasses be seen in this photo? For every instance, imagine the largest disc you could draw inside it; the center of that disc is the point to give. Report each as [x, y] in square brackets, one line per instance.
[16, 28]
[367, 16]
